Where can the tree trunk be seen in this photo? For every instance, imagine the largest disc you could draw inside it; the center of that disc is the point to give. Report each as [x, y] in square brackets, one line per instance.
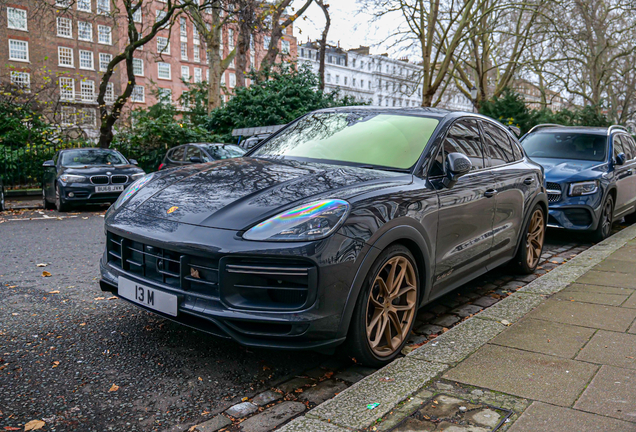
[213, 42]
[323, 43]
[242, 51]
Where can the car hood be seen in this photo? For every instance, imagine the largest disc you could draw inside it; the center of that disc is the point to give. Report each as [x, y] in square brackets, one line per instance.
[102, 169]
[557, 170]
[238, 193]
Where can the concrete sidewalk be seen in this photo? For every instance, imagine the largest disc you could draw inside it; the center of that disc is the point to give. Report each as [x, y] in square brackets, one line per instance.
[558, 355]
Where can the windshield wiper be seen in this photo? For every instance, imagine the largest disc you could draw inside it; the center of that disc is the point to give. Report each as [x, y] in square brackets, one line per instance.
[373, 167]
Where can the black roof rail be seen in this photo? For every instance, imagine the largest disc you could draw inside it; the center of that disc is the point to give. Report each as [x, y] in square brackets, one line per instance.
[613, 127]
[544, 125]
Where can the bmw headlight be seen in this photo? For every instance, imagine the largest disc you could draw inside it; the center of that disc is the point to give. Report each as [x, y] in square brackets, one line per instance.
[137, 175]
[583, 188]
[70, 178]
[131, 190]
[306, 222]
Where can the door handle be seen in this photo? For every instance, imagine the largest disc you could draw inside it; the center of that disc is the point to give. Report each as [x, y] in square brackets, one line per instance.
[528, 181]
[490, 193]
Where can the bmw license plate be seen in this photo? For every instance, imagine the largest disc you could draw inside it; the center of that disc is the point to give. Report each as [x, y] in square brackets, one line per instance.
[149, 297]
[111, 188]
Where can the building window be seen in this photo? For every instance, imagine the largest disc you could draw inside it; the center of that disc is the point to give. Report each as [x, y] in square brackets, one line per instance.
[67, 115]
[369, 83]
[63, 3]
[230, 39]
[103, 7]
[232, 80]
[22, 80]
[345, 80]
[328, 78]
[353, 82]
[197, 54]
[185, 73]
[67, 88]
[138, 67]
[17, 18]
[88, 117]
[266, 42]
[65, 57]
[361, 83]
[87, 91]
[137, 15]
[184, 51]
[195, 35]
[163, 71]
[285, 47]
[85, 31]
[223, 78]
[138, 94]
[64, 27]
[353, 63]
[104, 35]
[165, 95]
[18, 50]
[337, 79]
[109, 96]
[161, 15]
[84, 5]
[183, 28]
[302, 52]
[163, 45]
[104, 60]
[86, 60]
[198, 77]
[361, 65]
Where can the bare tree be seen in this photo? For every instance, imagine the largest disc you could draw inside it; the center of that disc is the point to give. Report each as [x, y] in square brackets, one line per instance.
[323, 42]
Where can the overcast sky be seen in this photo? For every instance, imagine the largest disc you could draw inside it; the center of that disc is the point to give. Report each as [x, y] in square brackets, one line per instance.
[349, 26]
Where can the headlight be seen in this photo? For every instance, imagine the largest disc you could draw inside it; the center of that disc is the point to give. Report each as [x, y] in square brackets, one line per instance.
[311, 221]
[131, 190]
[70, 178]
[138, 175]
[583, 188]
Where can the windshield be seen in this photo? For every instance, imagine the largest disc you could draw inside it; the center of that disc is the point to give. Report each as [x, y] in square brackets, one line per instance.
[383, 140]
[568, 145]
[84, 157]
[224, 151]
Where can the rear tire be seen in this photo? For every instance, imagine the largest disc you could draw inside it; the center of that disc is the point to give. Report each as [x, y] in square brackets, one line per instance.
[2, 207]
[45, 203]
[605, 221]
[531, 247]
[386, 309]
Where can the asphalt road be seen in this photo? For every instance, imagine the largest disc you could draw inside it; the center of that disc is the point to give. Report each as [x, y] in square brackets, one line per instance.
[83, 361]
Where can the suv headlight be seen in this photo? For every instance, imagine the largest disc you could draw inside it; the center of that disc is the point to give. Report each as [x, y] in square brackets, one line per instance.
[70, 178]
[583, 188]
[312, 221]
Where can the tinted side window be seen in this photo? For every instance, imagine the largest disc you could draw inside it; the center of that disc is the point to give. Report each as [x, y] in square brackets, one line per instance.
[464, 138]
[498, 145]
[618, 145]
[516, 149]
[627, 148]
[177, 154]
[629, 141]
[193, 152]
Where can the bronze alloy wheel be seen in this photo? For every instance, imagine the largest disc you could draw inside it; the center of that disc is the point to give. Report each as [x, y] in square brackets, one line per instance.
[391, 306]
[536, 234]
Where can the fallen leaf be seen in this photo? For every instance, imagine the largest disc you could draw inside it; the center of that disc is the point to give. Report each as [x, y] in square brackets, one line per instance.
[113, 388]
[11, 428]
[244, 399]
[34, 425]
[99, 298]
[56, 364]
[200, 379]
[54, 292]
[41, 265]
[112, 298]
[46, 274]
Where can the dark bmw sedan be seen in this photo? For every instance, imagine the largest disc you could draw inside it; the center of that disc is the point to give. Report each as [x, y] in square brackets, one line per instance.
[188, 154]
[334, 231]
[86, 176]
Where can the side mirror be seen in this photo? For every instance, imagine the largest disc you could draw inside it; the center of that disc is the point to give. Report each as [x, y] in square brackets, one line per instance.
[133, 161]
[48, 164]
[621, 159]
[196, 159]
[457, 165]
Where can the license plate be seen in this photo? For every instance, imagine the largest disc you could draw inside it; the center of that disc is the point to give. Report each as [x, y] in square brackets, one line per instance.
[148, 297]
[118, 188]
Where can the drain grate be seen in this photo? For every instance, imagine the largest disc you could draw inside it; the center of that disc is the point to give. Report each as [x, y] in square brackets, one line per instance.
[448, 413]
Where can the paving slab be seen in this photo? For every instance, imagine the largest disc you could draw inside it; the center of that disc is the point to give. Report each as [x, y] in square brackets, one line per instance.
[294, 384]
[267, 397]
[272, 417]
[459, 342]
[241, 410]
[631, 302]
[322, 391]
[543, 417]
[466, 310]
[611, 393]
[405, 377]
[308, 424]
[530, 375]
[589, 297]
[214, 424]
[614, 265]
[611, 348]
[585, 314]
[512, 308]
[621, 280]
[546, 337]
[446, 320]
[485, 301]
[578, 287]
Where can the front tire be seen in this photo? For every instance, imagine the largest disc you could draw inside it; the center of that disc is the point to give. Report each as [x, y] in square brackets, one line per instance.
[2, 207]
[386, 308]
[60, 205]
[531, 246]
[605, 222]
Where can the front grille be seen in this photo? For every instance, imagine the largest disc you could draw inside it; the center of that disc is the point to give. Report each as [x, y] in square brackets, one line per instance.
[119, 179]
[185, 272]
[99, 180]
[580, 217]
[554, 191]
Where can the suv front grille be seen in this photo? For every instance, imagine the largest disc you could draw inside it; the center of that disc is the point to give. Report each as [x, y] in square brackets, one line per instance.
[99, 180]
[554, 191]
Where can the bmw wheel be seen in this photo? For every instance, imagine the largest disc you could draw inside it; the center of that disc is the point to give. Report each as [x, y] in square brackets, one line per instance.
[60, 205]
[386, 308]
[2, 199]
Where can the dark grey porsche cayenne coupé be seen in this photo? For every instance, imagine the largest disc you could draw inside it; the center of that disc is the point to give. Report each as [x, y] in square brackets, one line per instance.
[334, 231]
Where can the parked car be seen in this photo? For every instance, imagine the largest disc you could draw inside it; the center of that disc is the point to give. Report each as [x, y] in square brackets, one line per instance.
[589, 175]
[2, 207]
[86, 176]
[252, 141]
[199, 153]
[333, 232]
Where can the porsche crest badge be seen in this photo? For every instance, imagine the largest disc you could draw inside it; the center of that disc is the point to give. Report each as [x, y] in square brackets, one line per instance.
[172, 209]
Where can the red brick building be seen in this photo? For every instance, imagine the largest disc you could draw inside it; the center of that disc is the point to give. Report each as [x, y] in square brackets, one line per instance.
[59, 51]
